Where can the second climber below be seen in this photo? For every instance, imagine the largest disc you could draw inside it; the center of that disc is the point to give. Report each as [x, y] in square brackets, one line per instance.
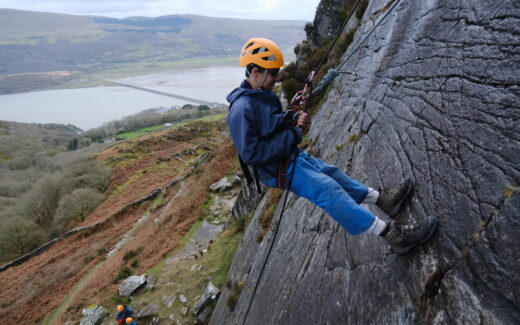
[266, 138]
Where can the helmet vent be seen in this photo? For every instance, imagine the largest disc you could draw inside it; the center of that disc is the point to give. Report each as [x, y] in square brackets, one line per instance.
[271, 57]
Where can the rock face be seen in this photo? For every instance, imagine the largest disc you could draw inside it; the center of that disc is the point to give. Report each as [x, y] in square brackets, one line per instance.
[434, 94]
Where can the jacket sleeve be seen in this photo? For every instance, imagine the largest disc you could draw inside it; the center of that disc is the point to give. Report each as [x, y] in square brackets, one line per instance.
[253, 148]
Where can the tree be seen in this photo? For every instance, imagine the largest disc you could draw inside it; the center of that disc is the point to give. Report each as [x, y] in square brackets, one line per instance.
[73, 144]
[203, 108]
[19, 236]
[41, 202]
[77, 205]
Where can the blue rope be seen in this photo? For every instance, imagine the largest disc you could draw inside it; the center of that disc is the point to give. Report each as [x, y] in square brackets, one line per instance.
[333, 73]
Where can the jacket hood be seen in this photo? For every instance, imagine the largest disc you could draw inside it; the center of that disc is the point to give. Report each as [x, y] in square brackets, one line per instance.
[244, 89]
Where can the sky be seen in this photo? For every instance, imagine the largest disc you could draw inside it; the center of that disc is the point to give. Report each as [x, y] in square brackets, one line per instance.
[245, 9]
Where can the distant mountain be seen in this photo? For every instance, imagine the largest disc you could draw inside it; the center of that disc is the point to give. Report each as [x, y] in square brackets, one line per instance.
[37, 42]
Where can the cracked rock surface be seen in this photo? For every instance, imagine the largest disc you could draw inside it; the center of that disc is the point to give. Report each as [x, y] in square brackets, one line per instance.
[435, 95]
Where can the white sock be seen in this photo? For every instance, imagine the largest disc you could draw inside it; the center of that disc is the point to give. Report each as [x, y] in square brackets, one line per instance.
[377, 227]
[372, 196]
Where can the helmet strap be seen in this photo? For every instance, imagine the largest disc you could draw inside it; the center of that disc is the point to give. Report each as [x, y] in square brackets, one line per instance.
[265, 77]
[260, 84]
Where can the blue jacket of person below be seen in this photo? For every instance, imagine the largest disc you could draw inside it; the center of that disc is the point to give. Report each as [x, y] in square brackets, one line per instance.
[127, 312]
[259, 129]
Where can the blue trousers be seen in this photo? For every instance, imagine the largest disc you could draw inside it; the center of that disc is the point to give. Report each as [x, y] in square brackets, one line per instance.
[331, 189]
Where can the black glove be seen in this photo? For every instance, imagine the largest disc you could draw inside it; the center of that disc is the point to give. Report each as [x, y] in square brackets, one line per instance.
[290, 119]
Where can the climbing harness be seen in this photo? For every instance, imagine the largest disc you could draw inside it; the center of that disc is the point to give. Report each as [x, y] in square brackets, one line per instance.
[301, 101]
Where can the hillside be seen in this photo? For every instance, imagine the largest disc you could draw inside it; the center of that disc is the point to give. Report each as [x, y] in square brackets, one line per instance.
[431, 94]
[37, 47]
[148, 174]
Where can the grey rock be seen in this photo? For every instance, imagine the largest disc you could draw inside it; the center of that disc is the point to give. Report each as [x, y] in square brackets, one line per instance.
[93, 316]
[246, 201]
[149, 310]
[131, 284]
[168, 300]
[151, 280]
[183, 299]
[184, 311]
[225, 183]
[155, 321]
[210, 293]
[204, 317]
[433, 94]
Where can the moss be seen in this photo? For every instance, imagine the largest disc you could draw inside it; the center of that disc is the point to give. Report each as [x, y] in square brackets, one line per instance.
[132, 253]
[341, 146]
[123, 273]
[354, 138]
[362, 7]
[508, 191]
[268, 213]
[235, 294]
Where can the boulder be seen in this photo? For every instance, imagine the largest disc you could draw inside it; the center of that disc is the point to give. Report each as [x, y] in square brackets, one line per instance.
[210, 293]
[183, 299]
[225, 183]
[168, 300]
[93, 316]
[149, 310]
[151, 280]
[184, 311]
[131, 284]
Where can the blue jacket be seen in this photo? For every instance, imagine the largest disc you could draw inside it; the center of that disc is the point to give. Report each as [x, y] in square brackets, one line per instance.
[127, 312]
[258, 128]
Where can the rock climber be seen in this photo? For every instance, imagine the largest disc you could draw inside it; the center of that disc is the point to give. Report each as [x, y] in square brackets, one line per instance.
[266, 138]
[123, 312]
[130, 321]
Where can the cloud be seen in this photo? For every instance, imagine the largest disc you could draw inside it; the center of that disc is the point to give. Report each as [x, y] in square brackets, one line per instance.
[265, 9]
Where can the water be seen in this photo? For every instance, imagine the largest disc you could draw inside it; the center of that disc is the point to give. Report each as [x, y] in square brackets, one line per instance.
[91, 107]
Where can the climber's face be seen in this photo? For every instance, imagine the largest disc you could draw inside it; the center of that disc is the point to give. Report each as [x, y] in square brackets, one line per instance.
[266, 78]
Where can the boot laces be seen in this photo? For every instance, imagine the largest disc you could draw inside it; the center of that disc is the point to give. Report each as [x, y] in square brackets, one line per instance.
[404, 230]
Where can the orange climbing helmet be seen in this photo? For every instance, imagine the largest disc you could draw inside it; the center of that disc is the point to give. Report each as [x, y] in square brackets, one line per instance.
[129, 320]
[262, 52]
[120, 308]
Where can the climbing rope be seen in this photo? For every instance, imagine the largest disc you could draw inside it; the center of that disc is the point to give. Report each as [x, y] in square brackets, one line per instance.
[302, 105]
[333, 73]
[338, 34]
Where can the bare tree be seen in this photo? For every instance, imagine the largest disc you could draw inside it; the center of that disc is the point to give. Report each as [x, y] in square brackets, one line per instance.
[19, 235]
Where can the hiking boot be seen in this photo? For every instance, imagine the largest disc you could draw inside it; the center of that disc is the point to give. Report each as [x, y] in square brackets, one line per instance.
[402, 238]
[390, 200]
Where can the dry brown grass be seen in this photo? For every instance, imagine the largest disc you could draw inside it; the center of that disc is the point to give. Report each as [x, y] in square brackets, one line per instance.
[32, 290]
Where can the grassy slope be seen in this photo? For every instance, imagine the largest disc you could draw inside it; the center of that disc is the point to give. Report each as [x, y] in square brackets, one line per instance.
[139, 167]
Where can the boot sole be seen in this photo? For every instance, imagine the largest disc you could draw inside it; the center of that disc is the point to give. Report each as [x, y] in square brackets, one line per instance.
[397, 207]
[405, 250]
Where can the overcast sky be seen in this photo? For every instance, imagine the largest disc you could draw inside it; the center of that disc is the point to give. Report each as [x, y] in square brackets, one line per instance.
[247, 9]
